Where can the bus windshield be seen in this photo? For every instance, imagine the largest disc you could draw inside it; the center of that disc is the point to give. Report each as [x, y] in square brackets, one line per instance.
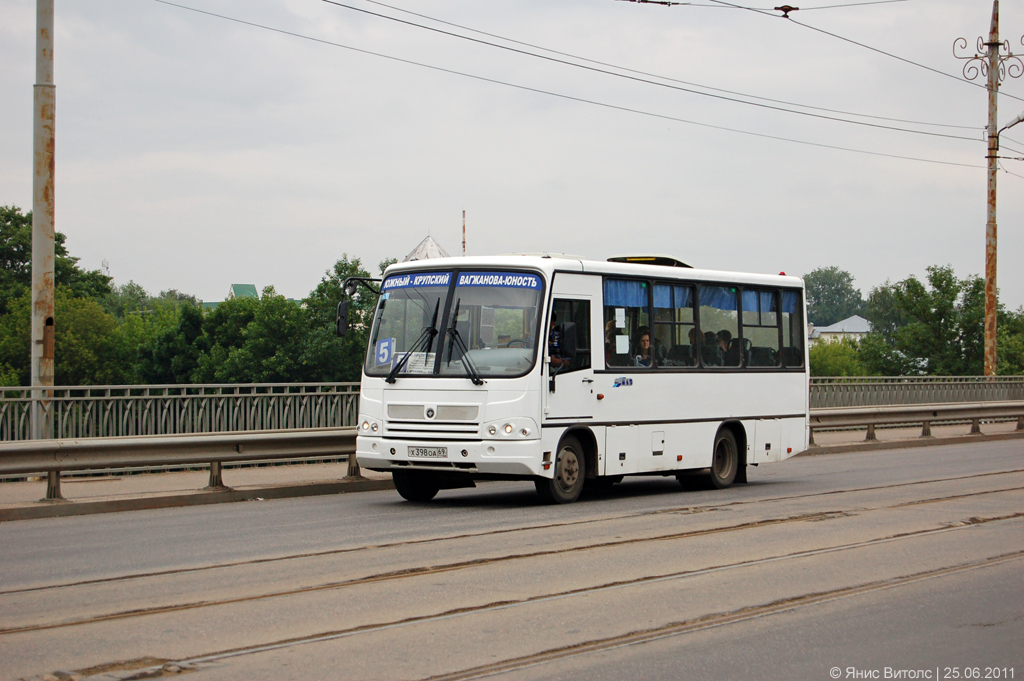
[490, 322]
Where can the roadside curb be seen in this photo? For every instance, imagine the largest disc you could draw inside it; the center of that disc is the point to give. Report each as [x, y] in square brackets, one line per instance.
[874, 445]
[198, 498]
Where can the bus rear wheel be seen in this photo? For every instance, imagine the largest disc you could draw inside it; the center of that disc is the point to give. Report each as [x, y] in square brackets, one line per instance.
[570, 472]
[725, 460]
[415, 485]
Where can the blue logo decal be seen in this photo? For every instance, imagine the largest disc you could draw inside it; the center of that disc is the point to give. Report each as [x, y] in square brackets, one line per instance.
[415, 280]
[502, 279]
[622, 381]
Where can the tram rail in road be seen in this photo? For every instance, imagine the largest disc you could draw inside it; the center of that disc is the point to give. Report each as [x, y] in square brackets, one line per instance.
[490, 584]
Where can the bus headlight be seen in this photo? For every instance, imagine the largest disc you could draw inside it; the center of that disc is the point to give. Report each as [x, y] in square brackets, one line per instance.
[511, 429]
[368, 426]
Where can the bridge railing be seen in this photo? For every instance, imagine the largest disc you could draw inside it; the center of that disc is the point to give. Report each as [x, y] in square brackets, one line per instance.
[878, 391]
[134, 410]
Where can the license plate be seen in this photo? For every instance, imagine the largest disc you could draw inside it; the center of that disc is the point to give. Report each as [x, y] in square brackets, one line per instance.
[428, 452]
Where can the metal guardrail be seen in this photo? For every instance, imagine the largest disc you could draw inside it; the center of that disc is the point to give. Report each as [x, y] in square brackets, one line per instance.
[826, 393]
[120, 411]
[924, 415]
[54, 456]
[213, 449]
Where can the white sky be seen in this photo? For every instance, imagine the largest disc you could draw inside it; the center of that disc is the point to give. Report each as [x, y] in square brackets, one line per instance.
[194, 152]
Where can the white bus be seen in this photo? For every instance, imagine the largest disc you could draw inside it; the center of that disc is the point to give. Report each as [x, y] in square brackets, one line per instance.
[570, 372]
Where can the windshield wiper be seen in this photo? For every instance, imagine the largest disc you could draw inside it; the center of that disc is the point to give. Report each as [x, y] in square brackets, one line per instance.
[454, 337]
[426, 339]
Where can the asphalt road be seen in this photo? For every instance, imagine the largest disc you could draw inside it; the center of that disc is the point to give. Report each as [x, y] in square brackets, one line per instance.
[900, 562]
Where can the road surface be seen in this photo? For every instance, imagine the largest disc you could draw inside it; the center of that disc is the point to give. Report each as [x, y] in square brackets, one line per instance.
[889, 564]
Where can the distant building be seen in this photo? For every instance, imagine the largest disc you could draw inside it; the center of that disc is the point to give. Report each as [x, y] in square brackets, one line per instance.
[242, 291]
[855, 328]
[428, 248]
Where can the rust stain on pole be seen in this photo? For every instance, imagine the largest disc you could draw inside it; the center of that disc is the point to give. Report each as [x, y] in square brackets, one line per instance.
[991, 300]
[43, 202]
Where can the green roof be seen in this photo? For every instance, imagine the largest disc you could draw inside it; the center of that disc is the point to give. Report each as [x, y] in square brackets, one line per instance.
[243, 291]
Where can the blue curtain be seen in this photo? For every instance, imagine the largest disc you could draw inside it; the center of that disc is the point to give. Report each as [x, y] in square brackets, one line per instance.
[672, 297]
[750, 301]
[789, 301]
[624, 293]
[718, 297]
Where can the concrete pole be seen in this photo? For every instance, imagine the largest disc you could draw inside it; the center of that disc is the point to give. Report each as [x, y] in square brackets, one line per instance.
[44, 127]
[991, 300]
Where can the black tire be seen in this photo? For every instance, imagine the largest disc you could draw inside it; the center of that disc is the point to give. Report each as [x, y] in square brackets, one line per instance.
[415, 485]
[570, 472]
[725, 460]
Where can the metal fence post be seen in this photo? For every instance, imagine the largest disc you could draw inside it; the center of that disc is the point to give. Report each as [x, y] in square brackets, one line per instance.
[53, 486]
[353, 467]
[216, 480]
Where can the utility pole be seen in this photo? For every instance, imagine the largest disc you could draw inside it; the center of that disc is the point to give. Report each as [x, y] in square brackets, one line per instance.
[44, 127]
[463, 233]
[988, 61]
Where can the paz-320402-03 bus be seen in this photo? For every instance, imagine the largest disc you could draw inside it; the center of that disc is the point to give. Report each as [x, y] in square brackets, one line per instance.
[570, 372]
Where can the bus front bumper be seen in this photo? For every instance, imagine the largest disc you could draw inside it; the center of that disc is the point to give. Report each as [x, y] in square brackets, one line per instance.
[469, 457]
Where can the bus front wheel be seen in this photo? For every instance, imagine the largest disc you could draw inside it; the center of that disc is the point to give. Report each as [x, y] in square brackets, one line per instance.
[415, 485]
[567, 484]
[725, 460]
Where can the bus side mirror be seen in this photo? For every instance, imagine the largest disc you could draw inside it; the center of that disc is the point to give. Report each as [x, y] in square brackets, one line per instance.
[342, 321]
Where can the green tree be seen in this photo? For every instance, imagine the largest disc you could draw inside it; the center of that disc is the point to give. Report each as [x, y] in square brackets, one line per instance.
[86, 349]
[172, 354]
[831, 296]
[223, 331]
[932, 329]
[16, 338]
[836, 358]
[126, 299]
[328, 356]
[1010, 343]
[16, 262]
[273, 344]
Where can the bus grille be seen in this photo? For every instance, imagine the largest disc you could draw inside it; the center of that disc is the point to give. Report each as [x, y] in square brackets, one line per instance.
[445, 412]
[432, 430]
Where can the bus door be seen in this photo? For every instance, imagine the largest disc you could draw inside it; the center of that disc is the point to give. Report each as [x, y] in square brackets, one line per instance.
[573, 400]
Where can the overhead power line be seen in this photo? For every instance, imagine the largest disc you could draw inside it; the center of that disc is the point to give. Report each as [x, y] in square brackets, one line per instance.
[860, 44]
[559, 95]
[647, 81]
[676, 80]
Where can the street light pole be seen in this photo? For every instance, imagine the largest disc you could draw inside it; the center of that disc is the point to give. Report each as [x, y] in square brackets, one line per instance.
[991, 301]
[43, 140]
[990, 62]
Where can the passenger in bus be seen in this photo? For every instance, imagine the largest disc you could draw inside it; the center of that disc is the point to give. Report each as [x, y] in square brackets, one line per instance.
[643, 347]
[709, 350]
[555, 345]
[611, 357]
[728, 349]
[691, 352]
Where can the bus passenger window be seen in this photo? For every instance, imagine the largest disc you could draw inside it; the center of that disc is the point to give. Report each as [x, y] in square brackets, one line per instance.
[760, 328]
[577, 312]
[793, 329]
[626, 314]
[719, 320]
[675, 333]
